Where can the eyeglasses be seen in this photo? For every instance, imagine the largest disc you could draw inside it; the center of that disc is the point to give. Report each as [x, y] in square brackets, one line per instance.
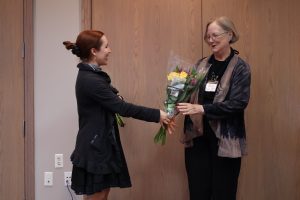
[214, 36]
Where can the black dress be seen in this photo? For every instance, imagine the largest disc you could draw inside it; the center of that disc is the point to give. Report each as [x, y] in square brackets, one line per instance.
[84, 182]
[98, 159]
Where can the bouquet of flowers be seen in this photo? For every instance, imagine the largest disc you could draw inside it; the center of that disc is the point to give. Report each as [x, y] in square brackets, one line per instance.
[181, 84]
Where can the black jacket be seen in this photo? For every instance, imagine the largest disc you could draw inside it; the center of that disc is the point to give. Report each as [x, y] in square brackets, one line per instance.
[231, 110]
[97, 149]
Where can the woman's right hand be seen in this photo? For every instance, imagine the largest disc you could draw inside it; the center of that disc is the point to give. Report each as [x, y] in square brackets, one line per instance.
[167, 122]
[190, 109]
[164, 118]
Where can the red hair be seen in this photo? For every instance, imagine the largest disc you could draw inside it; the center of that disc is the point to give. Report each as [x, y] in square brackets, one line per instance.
[85, 41]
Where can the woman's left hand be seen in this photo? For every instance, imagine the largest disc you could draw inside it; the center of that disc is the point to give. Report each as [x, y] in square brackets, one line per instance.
[190, 109]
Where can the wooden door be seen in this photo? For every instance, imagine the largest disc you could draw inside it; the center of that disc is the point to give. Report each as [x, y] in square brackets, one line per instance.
[142, 35]
[11, 100]
[269, 41]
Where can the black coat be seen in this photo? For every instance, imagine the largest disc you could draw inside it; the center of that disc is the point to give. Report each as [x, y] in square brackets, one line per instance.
[98, 149]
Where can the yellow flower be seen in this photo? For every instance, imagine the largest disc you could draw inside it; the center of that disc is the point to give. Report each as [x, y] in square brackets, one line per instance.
[172, 75]
[183, 74]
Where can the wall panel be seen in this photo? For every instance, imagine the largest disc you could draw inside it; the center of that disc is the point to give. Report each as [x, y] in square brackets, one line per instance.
[142, 35]
[269, 42]
[12, 170]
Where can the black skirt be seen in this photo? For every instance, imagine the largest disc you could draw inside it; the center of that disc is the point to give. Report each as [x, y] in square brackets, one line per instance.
[87, 183]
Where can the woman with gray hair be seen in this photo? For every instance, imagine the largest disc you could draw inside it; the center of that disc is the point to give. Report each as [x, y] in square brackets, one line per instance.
[214, 127]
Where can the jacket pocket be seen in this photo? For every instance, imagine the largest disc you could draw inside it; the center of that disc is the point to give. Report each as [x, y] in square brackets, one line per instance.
[99, 143]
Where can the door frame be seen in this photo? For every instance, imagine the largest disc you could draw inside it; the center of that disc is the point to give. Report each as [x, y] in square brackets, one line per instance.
[86, 14]
[29, 161]
[28, 37]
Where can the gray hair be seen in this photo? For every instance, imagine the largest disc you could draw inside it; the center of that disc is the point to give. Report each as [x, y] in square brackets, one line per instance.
[227, 25]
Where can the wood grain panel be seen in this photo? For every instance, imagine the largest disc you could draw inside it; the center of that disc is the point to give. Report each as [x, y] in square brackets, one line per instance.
[11, 100]
[270, 43]
[142, 34]
[86, 14]
[29, 101]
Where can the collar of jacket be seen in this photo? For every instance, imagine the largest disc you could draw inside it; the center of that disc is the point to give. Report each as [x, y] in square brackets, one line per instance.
[86, 67]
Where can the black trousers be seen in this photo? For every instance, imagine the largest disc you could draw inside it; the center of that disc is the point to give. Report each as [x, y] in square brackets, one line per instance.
[210, 177]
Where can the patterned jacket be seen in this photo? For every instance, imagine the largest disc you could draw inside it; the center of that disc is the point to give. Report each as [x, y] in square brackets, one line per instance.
[226, 113]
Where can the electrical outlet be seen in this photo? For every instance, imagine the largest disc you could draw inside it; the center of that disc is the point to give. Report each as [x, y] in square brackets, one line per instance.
[59, 160]
[68, 176]
[48, 178]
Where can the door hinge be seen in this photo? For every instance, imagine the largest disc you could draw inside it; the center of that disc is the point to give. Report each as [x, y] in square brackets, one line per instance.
[24, 128]
[23, 50]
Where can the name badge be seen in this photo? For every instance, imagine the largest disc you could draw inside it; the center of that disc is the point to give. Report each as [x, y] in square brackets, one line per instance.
[211, 86]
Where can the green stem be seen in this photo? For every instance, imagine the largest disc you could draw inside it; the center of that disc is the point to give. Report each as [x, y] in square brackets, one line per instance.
[120, 120]
[160, 137]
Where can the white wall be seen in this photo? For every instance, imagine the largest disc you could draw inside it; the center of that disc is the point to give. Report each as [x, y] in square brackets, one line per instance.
[55, 106]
